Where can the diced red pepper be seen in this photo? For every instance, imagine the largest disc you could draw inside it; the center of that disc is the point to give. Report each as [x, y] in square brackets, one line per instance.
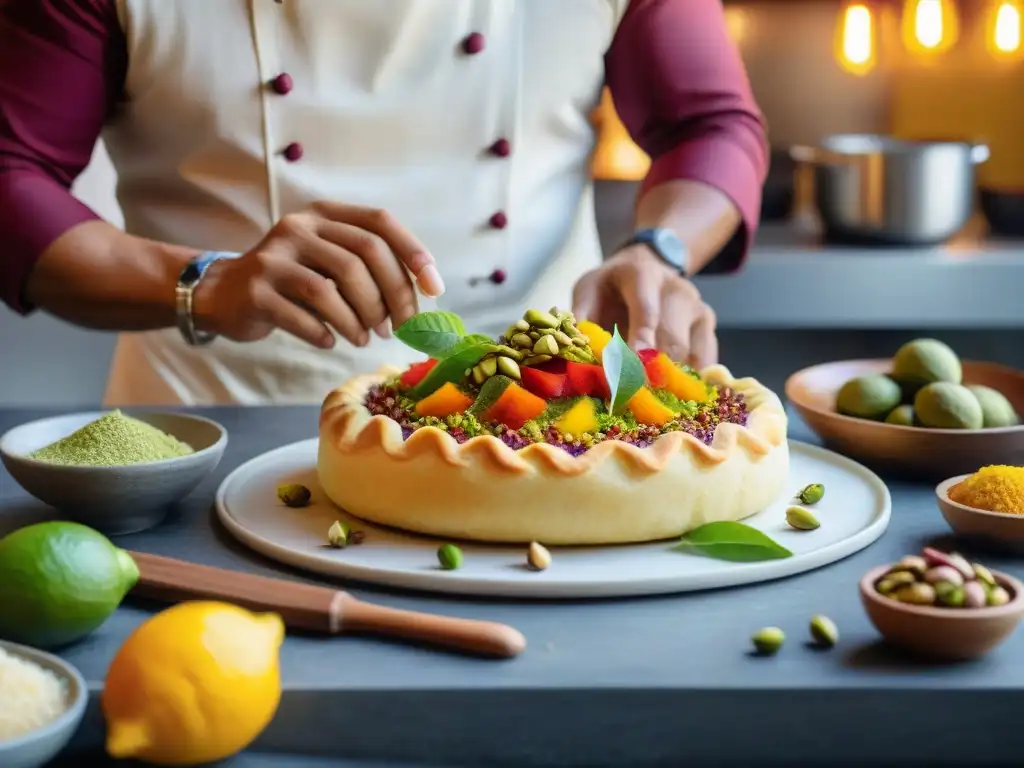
[587, 379]
[646, 355]
[548, 385]
[416, 372]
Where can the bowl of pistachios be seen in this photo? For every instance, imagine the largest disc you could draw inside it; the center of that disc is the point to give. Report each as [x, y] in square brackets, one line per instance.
[941, 606]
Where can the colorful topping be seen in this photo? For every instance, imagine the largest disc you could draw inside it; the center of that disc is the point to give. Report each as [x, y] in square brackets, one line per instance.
[543, 382]
[996, 488]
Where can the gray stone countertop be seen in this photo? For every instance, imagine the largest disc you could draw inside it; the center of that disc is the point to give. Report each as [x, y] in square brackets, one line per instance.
[647, 681]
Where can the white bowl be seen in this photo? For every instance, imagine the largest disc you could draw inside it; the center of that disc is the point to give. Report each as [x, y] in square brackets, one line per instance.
[38, 747]
[113, 500]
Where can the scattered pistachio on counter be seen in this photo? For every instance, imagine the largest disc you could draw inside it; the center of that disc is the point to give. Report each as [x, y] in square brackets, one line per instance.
[944, 579]
[337, 535]
[449, 556]
[294, 495]
[824, 631]
[801, 519]
[537, 557]
[768, 640]
[811, 494]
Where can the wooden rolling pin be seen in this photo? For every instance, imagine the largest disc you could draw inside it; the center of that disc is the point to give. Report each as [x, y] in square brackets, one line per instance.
[319, 609]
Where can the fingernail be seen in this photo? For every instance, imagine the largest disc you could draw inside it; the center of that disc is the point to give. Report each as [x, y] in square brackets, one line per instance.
[430, 281]
[383, 330]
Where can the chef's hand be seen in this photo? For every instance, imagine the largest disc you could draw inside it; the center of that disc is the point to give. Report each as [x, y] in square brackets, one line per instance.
[651, 304]
[331, 266]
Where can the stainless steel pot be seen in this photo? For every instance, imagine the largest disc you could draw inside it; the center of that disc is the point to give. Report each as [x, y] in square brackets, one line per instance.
[882, 189]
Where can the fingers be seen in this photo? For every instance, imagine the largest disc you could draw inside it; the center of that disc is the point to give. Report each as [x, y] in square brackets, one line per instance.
[306, 288]
[585, 297]
[290, 317]
[388, 274]
[405, 246]
[703, 339]
[641, 293]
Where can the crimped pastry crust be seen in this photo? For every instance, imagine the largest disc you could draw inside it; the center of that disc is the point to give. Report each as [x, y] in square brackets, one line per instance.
[614, 493]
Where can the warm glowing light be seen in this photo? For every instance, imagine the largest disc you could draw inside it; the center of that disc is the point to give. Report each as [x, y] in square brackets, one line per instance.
[928, 23]
[855, 41]
[1007, 29]
[930, 26]
[736, 23]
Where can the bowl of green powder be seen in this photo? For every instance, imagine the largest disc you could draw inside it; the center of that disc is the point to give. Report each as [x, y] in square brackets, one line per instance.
[114, 472]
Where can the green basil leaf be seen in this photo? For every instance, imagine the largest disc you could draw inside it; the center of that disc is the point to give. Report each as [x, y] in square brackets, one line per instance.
[492, 389]
[739, 543]
[623, 370]
[432, 333]
[466, 353]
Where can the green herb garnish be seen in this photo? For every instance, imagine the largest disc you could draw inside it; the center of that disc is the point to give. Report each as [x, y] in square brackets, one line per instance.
[623, 370]
[452, 366]
[432, 333]
[733, 541]
[492, 389]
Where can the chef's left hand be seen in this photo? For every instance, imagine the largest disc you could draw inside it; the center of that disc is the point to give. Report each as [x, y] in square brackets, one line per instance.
[651, 304]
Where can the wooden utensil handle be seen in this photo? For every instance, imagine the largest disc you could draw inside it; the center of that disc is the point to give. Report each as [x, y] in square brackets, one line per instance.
[481, 638]
[302, 606]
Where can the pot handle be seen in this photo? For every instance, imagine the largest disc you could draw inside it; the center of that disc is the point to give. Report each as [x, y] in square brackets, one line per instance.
[979, 153]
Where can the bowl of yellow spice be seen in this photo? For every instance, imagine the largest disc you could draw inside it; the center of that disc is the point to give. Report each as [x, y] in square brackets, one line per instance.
[113, 472]
[988, 504]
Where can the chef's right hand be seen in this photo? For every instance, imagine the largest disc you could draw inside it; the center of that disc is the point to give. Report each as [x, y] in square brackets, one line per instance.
[331, 266]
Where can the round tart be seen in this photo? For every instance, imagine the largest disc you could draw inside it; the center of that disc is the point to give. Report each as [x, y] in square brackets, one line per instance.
[573, 441]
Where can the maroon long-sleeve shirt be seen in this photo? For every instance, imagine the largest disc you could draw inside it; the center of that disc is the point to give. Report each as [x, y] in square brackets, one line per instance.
[677, 80]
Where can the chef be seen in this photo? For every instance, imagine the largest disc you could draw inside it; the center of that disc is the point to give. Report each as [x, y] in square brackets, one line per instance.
[298, 177]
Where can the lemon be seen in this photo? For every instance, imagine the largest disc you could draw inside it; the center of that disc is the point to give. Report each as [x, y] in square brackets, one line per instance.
[59, 581]
[194, 684]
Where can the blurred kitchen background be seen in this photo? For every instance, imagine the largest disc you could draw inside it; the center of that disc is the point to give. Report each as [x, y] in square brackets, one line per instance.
[913, 69]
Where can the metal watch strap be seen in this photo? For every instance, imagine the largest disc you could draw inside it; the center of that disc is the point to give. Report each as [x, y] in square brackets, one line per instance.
[190, 277]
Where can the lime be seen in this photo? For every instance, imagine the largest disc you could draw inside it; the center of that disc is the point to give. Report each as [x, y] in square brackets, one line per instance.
[59, 581]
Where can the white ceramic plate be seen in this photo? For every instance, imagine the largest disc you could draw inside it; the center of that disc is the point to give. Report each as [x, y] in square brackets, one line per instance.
[853, 514]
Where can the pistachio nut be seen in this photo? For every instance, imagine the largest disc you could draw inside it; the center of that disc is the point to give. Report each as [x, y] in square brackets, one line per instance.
[950, 594]
[975, 595]
[509, 367]
[294, 495]
[562, 339]
[540, 319]
[913, 563]
[768, 640]
[918, 593]
[962, 564]
[506, 351]
[811, 494]
[449, 556]
[536, 359]
[545, 345]
[581, 341]
[824, 631]
[944, 573]
[893, 581]
[521, 325]
[537, 557]
[998, 596]
[801, 519]
[337, 534]
[479, 377]
[935, 557]
[489, 366]
[534, 335]
[984, 575]
[522, 340]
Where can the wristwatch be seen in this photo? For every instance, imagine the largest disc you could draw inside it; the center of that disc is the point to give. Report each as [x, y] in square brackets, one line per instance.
[665, 244]
[189, 279]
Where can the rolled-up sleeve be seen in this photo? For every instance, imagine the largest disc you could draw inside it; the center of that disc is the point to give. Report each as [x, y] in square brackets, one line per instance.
[62, 65]
[682, 92]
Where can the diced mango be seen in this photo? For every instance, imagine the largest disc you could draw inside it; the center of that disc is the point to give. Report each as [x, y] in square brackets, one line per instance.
[662, 373]
[598, 336]
[443, 402]
[515, 407]
[582, 417]
[648, 409]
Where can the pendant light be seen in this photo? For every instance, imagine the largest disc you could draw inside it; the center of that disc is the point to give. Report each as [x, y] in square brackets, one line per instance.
[856, 39]
[1005, 30]
[930, 26]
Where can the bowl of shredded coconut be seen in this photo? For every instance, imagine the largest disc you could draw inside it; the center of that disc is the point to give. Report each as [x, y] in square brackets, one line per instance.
[42, 702]
[115, 472]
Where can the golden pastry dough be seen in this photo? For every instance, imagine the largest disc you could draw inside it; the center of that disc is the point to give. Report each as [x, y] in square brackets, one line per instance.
[615, 493]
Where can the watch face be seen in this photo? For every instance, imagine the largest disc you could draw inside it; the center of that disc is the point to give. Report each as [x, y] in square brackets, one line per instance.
[670, 247]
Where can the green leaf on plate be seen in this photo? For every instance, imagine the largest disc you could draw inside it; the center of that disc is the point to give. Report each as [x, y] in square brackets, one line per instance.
[623, 370]
[733, 541]
[466, 353]
[432, 333]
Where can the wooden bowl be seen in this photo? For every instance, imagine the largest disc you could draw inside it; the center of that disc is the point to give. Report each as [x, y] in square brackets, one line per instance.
[911, 451]
[946, 634]
[1004, 529]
